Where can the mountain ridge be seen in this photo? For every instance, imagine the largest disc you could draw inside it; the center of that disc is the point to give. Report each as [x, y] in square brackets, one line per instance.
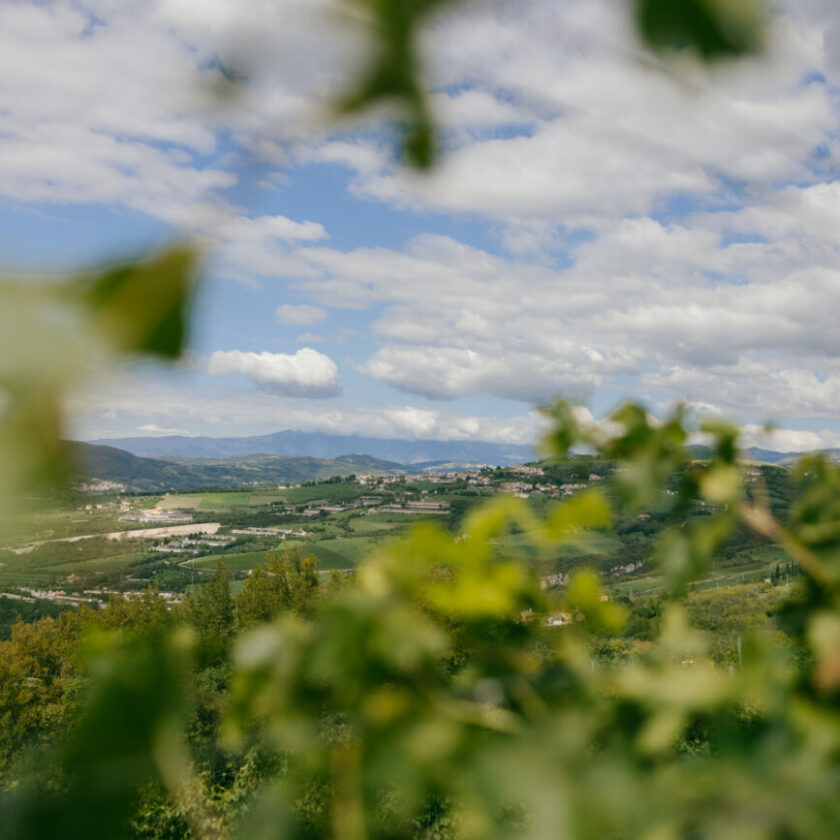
[321, 445]
[95, 464]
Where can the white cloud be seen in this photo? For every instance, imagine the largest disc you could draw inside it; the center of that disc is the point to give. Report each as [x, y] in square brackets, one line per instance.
[262, 228]
[591, 131]
[247, 249]
[788, 440]
[582, 156]
[303, 315]
[130, 119]
[118, 124]
[307, 373]
[450, 372]
[213, 409]
[549, 119]
[153, 430]
[754, 388]
[472, 108]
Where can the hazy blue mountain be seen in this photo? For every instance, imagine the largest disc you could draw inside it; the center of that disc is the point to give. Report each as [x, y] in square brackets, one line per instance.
[788, 458]
[318, 445]
[106, 463]
[769, 456]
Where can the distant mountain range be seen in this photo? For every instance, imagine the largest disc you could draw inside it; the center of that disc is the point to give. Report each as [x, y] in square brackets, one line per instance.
[769, 456]
[319, 445]
[97, 464]
[786, 458]
[185, 463]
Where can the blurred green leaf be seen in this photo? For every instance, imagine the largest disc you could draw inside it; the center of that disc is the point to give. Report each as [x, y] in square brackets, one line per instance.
[721, 483]
[588, 509]
[143, 307]
[565, 431]
[684, 553]
[394, 75]
[584, 594]
[712, 29]
[133, 710]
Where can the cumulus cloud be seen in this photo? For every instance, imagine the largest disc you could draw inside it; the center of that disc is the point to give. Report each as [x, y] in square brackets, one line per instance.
[303, 315]
[307, 373]
[689, 310]
[450, 372]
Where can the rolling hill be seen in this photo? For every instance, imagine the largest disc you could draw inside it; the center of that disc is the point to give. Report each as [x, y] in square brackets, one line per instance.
[95, 463]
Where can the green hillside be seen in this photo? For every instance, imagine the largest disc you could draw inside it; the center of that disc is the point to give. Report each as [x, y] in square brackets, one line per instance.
[96, 465]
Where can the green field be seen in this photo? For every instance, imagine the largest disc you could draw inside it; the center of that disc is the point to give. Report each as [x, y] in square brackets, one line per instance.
[220, 500]
[258, 499]
[353, 549]
[326, 557]
[235, 561]
[115, 562]
[523, 546]
[215, 501]
[374, 523]
[331, 493]
[180, 502]
[26, 570]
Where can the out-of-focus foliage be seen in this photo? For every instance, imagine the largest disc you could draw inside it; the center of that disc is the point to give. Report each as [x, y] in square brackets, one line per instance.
[712, 28]
[708, 29]
[55, 335]
[394, 74]
[445, 694]
[442, 693]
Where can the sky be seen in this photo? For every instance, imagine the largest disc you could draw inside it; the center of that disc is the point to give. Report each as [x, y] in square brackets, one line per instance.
[600, 226]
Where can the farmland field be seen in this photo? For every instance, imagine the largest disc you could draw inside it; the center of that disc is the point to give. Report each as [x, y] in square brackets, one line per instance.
[374, 523]
[26, 570]
[522, 545]
[219, 500]
[258, 499]
[180, 502]
[353, 549]
[331, 493]
[213, 501]
[235, 561]
[326, 557]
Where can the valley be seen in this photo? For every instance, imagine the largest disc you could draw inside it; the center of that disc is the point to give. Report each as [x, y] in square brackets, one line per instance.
[105, 544]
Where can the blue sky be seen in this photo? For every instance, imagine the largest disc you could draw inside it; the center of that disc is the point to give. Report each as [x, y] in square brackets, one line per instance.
[600, 226]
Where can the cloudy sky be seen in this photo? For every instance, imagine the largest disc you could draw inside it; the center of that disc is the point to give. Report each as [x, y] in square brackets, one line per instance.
[599, 226]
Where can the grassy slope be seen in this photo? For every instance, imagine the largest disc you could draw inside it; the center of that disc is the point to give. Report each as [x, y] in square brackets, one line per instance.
[107, 463]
